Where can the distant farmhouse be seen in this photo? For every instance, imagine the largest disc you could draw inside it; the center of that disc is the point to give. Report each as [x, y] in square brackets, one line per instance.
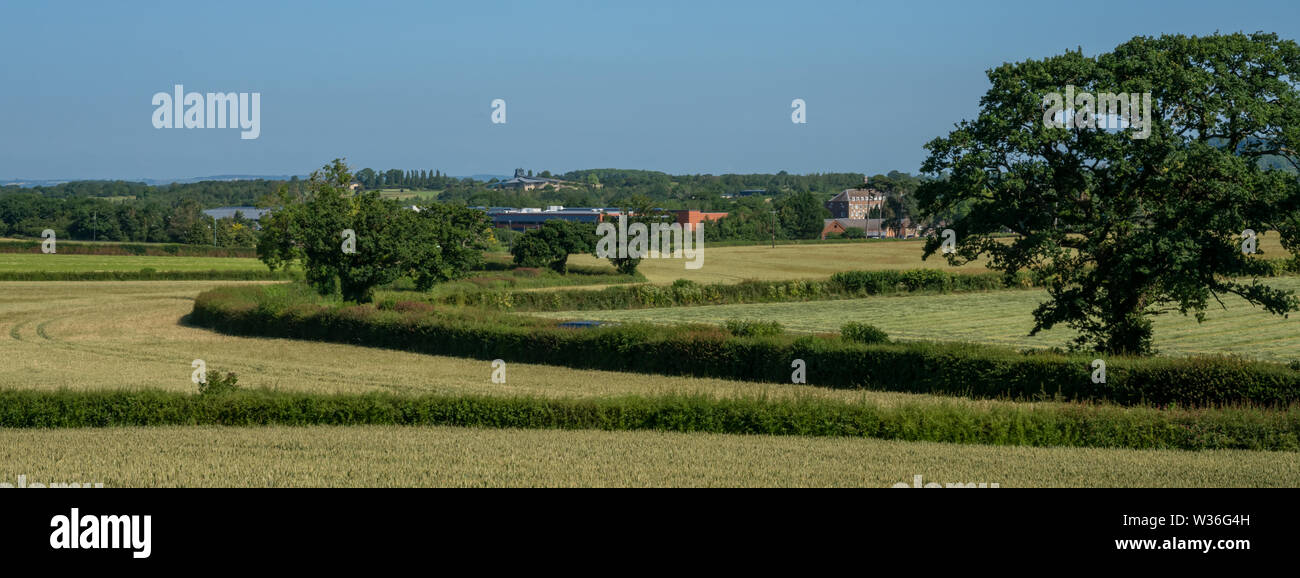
[522, 182]
[874, 228]
[855, 203]
[852, 209]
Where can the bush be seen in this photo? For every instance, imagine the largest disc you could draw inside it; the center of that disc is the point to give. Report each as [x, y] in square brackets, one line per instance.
[216, 384]
[863, 333]
[752, 327]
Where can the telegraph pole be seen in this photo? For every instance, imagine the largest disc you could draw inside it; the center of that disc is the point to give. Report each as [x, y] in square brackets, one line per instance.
[773, 228]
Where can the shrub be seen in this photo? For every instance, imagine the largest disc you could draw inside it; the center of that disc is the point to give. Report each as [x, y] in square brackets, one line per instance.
[863, 333]
[752, 327]
[216, 384]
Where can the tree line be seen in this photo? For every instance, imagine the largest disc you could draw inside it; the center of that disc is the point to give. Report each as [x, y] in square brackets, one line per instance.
[138, 212]
[97, 219]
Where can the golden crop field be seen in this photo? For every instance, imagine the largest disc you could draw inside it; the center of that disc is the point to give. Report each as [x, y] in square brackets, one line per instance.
[444, 456]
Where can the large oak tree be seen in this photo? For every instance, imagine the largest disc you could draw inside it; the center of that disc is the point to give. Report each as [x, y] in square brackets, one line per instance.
[1123, 228]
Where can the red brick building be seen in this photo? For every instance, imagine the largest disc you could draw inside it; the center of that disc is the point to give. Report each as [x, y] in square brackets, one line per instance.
[855, 203]
[695, 217]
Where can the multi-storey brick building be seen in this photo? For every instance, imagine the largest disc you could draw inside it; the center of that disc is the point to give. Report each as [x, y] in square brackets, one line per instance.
[856, 203]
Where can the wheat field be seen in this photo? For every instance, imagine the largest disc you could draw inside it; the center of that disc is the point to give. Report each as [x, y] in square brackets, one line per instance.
[369, 456]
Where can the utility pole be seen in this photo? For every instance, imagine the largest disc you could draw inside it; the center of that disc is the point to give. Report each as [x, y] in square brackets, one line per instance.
[773, 228]
[94, 218]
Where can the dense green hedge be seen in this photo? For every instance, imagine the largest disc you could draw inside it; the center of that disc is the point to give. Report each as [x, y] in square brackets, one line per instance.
[150, 275]
[1065, 425]
[846, 285]
[708, 351]
[145, 249]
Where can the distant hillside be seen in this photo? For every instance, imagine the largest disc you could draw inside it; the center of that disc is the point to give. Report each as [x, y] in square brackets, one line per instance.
[30, 183]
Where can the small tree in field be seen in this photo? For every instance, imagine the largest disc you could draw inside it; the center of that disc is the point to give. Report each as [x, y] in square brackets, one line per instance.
[350, 243]
[551, 244]
[1118, 226]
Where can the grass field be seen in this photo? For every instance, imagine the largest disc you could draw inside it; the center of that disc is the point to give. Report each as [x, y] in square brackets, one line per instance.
[442, 456]
[999, 317]
[57, 262]
[127, 335]
[728, 264]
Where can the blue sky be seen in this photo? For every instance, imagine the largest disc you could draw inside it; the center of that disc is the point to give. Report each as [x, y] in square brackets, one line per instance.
[683, 87]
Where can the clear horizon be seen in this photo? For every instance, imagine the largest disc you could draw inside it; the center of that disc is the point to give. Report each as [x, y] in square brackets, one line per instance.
[678, 87]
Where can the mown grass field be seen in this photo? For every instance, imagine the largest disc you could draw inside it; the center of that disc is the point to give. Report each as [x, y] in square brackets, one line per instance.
[128, 335]
[368, 456]
[57, 262]
[729, 264]
[998, 317]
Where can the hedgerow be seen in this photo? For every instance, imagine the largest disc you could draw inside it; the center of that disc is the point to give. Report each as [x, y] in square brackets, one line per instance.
[961, 369]
[1058, 425]
[845, 285]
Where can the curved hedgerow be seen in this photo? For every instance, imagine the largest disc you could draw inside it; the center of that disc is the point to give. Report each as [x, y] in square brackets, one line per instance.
[961, 369]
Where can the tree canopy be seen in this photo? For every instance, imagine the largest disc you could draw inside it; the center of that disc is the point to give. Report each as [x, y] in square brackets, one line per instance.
[350, 243]
[1122, 227]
